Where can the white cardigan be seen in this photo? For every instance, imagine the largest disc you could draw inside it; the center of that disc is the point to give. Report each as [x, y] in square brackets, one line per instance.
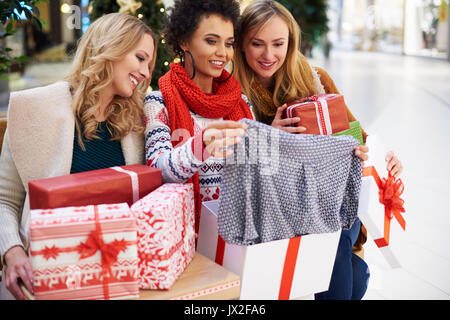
[38, 144]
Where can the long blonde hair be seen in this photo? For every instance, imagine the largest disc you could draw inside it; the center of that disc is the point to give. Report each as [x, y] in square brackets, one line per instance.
[108, 39]
[294, 79]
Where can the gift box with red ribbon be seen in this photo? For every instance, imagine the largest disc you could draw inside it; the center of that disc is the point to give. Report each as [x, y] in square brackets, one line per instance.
[380, 206]
[282, 269]
[84, 253]
[104, 186]
[320, 114]
[165, 221]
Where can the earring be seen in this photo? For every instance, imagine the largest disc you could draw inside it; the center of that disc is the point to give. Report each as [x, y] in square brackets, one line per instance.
[193, 62]
[231, 73]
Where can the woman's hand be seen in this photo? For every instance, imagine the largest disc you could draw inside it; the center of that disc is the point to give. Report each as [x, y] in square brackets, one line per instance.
[361, 153]
[221, 134]
[284, 124]
[18, 268]
[394, 166]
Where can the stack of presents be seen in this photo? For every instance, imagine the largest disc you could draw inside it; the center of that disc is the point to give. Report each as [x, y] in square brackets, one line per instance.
[120, 233]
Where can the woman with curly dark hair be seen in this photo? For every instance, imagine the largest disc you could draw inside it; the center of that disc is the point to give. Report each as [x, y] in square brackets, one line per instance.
[194, 116]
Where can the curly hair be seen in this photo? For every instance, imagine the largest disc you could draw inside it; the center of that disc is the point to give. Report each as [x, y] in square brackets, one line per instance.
[185, 16]
[107, 39]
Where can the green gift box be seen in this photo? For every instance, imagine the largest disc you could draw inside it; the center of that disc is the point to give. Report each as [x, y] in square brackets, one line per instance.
[354, 131]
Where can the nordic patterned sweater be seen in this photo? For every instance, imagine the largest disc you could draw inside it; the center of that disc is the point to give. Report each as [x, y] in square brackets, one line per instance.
[179, 164]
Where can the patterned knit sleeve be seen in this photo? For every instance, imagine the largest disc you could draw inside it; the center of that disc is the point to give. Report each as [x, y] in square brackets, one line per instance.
[177, 164]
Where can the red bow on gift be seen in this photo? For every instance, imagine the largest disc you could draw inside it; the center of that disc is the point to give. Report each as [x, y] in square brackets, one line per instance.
[390, 190]
[109, 251]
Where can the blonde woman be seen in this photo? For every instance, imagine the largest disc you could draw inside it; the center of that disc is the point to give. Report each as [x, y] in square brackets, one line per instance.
[273, 73]
[91, 121]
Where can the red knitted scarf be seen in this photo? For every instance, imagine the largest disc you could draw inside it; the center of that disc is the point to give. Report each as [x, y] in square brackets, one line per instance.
[181, 94]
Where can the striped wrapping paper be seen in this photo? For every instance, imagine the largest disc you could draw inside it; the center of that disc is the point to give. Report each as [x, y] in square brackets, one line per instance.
[84, 253]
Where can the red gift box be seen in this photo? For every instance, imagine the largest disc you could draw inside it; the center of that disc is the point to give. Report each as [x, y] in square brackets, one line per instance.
[320, 114]
[104, 186]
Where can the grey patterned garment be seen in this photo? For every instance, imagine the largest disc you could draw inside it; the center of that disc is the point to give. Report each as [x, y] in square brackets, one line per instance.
[279, 185]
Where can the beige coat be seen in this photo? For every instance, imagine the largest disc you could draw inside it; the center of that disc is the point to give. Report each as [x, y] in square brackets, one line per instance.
[38, 144]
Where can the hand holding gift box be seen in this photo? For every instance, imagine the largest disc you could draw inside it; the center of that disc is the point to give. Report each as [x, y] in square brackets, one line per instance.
[84, 252]
[165, 220]
[282, 269]
[104, 186]
[320, 114]
[380, 206]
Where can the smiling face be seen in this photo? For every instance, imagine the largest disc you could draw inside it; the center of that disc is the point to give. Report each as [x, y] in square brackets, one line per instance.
[265, 49]
[133, 68]
[211, 46]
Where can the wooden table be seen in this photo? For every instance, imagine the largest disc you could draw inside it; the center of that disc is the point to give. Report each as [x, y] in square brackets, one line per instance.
[202, 279]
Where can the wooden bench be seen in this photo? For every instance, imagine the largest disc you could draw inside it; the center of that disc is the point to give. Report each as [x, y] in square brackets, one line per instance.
[203, 279]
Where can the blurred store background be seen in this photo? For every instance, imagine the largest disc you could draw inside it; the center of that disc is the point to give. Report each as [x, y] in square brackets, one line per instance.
[399, 27]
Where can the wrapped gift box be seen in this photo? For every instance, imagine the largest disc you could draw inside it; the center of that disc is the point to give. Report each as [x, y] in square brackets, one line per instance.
[282, 269]
[103, 186]
[84, 252]
[321, 114]
[385, 224]
[165, 220]
[354, 131]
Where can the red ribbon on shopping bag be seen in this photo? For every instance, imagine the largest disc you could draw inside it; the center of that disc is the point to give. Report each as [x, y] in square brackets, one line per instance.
[289, 268]
[220, 250]
[390, 190]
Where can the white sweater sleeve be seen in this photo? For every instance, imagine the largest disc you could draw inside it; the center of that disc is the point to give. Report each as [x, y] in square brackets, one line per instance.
[12, 197]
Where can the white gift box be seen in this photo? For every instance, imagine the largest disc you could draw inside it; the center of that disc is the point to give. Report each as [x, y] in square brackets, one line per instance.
[388, 233]
[282, 269]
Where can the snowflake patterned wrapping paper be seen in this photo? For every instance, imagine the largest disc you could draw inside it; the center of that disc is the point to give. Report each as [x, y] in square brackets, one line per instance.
[279, 185]
[83, 253]
[166, 245]
[104, 186]
[320, 114]
[380, 206]
[282, 269]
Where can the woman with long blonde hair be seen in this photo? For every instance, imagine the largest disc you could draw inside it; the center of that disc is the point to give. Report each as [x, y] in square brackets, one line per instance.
[273, 72]
[92, 120]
